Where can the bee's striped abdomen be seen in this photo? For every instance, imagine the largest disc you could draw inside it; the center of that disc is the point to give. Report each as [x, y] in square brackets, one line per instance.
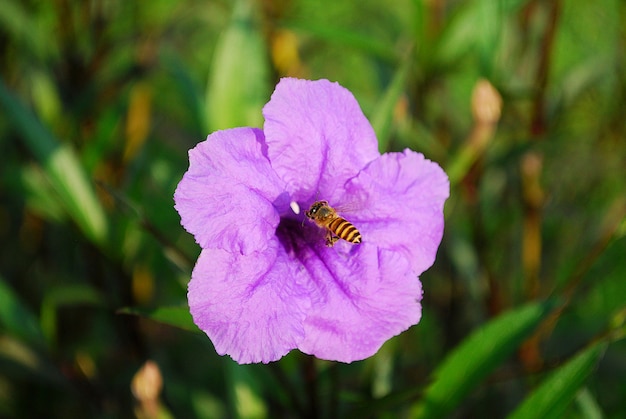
[344, 229]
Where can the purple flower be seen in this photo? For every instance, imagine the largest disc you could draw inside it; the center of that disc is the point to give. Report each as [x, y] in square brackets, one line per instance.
[265, 282]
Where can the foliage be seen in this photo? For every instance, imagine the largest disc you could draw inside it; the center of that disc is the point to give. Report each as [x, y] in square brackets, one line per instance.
[523, 310]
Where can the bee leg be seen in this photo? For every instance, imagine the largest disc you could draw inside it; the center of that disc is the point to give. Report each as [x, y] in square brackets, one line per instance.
[330, 239]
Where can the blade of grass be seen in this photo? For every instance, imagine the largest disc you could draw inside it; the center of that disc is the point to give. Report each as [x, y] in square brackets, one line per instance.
[18, 23]
[476, 357]
[238, 82]
[173, 316]
[39, 195]
[65, 296]
[62, 167]
[359, 41]
[382, 117]
[190, 94]
[246, 398]
[17, 319]
[588, 405]
[553, 396]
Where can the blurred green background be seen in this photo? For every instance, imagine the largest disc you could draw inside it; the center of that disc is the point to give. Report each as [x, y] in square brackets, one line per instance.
[522, 102]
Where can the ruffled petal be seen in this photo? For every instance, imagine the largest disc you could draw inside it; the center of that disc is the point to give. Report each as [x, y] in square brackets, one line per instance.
[230, 197]
[400, 206]
[253, 306]
[317, 137]
[362, 299]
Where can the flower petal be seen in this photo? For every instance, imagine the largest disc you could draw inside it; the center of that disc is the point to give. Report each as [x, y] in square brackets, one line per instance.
[230, 196]
[317, 137]
[400, 198]
[251, 306]
[363, 300]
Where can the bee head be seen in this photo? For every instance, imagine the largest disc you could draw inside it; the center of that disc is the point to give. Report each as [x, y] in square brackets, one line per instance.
[315, 208]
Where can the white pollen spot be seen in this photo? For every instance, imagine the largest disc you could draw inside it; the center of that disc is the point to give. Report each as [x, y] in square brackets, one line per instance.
[295, 207]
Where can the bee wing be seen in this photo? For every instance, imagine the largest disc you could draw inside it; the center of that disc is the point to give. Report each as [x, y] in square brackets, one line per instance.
[350, 207]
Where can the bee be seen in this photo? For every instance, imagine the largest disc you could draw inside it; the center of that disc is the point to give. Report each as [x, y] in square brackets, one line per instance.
[336, 226]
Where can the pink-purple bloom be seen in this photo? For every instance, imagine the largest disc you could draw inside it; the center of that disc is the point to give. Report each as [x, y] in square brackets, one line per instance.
[265, 282]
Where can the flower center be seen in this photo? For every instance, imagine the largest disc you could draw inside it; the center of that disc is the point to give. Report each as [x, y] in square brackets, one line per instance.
[298, 235]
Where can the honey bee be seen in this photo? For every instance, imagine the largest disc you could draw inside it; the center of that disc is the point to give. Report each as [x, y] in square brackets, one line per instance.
[336, 226]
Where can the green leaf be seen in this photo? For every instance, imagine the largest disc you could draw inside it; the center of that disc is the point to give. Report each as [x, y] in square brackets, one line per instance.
[553, 396]
[382, 117]
[588, 405]
[607, 277]
[459, 35]
[19, 24]
[489, 32]
[246, 396]
[174, 316]
[364, 42]
[476, 357]
[474, 25]
[65, 295]
[191, 96]
[40, 197]
[238, 84]
[61, 166]
[18, 319]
